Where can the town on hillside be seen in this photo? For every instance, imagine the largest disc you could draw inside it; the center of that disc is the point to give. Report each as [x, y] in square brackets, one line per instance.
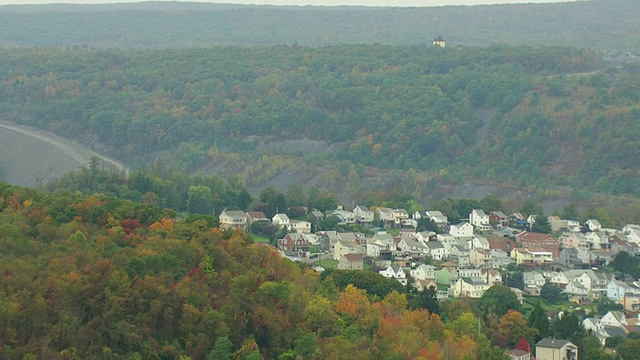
[467, 258]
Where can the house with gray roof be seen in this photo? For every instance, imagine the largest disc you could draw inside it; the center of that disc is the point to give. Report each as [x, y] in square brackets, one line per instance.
[468, 287]
[395, 272]
[437, 217]
[364, 216]
[533, 282]
[556, 349]
[233, 219]
[574, 257]
[499, 259]
[479, 220]
[437, 251]
[413, 247]
[611, 324]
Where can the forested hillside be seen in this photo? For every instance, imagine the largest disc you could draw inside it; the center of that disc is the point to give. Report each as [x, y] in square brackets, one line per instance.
[90, 277]
[343, 118]
[596, 24]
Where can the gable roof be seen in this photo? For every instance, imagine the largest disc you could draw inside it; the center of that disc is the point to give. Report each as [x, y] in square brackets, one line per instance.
[499, 214]
[517, 216]
[595, 222]
[516, 352]
[433, 245]
[534, 236]
[532, 276]
[348, 236]
[480, 212]
[473, 282]
[383, 237]
[618, 315]
[257, 215]
[384, 210]
[482, 240]
[614, 331]
[577, 284]
[434, 213]
[317, 213]
[235, 214]
[553, 343]
[353, 257]
[426, 234]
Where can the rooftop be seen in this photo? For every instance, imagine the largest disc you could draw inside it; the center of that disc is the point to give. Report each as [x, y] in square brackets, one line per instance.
[553, 343]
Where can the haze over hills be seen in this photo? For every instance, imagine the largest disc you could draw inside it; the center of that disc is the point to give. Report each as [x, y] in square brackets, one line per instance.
[415, 3]
[597, 24]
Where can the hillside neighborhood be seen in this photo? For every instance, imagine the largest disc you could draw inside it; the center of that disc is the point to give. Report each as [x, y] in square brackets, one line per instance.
[467, 258]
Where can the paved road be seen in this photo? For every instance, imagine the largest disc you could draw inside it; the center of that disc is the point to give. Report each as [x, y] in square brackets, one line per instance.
[80, 153]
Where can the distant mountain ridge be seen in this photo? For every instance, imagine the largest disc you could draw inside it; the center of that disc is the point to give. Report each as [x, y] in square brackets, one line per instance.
[597, 24]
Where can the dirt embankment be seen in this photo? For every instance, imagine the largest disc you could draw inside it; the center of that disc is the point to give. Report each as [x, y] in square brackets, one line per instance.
[29, 155]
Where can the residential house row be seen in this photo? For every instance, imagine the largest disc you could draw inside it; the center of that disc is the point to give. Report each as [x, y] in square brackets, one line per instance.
[479, 243]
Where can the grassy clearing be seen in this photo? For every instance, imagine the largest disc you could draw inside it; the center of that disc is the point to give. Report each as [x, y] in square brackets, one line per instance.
[260, 239]
[327, 263]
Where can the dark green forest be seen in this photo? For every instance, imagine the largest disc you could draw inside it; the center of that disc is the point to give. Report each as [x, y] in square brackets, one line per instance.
[357, 117]
[603, 25]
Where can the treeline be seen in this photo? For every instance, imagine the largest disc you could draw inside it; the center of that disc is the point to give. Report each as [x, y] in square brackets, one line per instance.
[210, 195]
[95, 277]
[204, 195]
[598, 24]
[160, 187]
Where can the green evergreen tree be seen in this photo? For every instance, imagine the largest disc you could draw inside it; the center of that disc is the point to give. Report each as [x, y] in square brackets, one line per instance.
[570, 212]
[425, 299]
[222, 349]
[530, 207]
[568, 326]
[538, 319]
[541, 225]
[426, 224]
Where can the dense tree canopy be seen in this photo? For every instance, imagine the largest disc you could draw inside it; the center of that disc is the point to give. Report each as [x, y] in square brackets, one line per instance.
[498, 300]
[93, 277]
[455, 114]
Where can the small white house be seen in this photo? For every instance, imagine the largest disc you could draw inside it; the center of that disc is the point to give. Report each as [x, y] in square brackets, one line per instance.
[395, 272]
[464, 230]
[423, 272]
[363, 214]
[281, 220]
[593, 225]
[480, 220]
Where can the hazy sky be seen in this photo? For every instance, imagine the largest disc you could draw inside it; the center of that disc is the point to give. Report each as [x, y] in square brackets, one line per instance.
[304, 2]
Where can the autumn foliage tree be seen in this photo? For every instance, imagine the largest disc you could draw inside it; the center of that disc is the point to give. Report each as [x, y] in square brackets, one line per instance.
[118, 279]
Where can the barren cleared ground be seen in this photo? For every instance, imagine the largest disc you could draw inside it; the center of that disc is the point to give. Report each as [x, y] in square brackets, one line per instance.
[29, 155]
